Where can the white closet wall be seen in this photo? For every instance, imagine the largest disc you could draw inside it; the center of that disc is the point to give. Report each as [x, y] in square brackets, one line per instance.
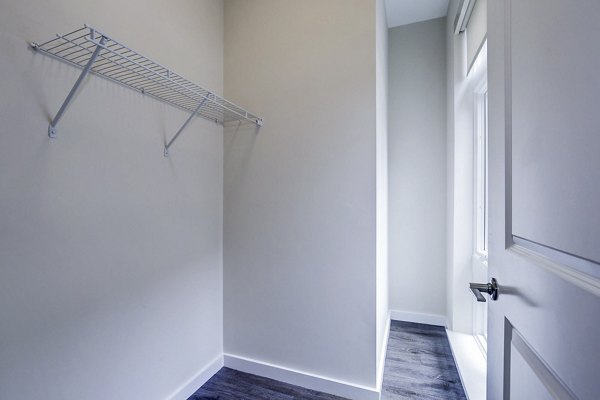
[300, 204]
[110, 253]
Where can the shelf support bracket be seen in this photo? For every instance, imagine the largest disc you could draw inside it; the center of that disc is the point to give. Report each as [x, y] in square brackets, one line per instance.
[84, 73]
[185, 124]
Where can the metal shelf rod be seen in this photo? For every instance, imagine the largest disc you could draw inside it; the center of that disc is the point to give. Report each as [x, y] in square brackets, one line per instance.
[168, 79]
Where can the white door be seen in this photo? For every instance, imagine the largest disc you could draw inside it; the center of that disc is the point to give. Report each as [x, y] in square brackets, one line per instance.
[544, 205]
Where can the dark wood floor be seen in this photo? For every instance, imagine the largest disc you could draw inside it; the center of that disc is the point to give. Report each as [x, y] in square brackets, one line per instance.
[419, 365]
[229, 384]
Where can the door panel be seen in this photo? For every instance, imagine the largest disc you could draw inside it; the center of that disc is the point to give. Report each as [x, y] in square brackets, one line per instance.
[529, 376]
[544, 330]
[556, 124]
[524, 382]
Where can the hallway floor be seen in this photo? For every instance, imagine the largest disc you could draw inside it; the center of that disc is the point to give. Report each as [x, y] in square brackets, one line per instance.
[419, 365]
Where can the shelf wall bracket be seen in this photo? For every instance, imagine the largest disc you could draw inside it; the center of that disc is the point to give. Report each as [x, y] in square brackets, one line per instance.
[185, 124]
[84, 73]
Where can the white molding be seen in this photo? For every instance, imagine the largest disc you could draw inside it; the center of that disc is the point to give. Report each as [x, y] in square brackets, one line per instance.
[420, 318]
[470, 363]
[300, 378]
[382, 357]
[557, 263]
[199, 379]
[540, 368]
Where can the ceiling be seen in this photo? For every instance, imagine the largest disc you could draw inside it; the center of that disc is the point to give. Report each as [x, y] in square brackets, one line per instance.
[402, 12]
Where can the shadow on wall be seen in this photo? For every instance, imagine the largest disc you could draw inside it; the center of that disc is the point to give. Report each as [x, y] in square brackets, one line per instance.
[238, 146]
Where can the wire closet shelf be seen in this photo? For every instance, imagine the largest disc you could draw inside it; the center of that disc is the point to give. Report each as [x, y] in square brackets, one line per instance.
[97, 53]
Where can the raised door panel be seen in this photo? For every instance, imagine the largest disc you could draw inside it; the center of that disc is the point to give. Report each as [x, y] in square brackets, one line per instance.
[556, 124]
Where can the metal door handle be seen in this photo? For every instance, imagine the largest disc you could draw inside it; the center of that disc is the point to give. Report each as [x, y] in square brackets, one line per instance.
[489, 288]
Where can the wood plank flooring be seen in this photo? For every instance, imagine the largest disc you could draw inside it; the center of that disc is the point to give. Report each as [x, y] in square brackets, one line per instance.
[229, 384]
[419, 365]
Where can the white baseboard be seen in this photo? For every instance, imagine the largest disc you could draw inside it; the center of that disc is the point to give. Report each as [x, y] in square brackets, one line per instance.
[420, 318]
[199, 379]
[470, 363]
[300, 378]
[384, 345]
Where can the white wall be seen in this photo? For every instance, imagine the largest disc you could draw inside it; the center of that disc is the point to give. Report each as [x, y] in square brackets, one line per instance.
[382, 184]
[110, 254]
[300, 204]
[417, 167]
[452, 8]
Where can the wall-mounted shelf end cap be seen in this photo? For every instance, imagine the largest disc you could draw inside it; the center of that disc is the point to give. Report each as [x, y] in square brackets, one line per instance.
[51, 132]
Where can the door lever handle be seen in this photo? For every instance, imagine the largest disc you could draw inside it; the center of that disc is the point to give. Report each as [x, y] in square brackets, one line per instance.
[489, 288]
